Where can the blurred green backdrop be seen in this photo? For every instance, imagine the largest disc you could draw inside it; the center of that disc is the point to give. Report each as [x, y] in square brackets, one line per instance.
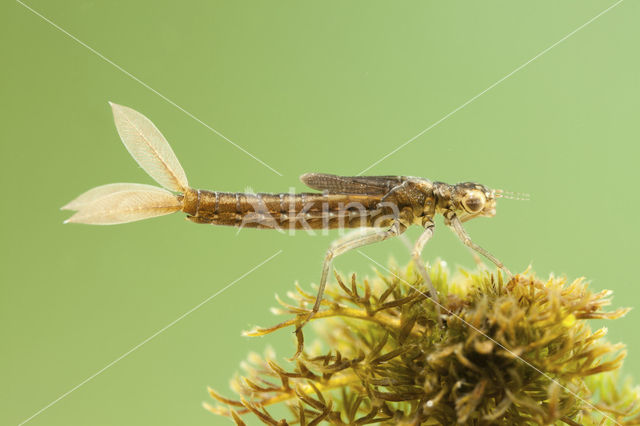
[305, 86]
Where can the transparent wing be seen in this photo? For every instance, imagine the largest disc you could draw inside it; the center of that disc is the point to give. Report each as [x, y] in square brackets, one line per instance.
[101, 191]
[372, 185]
[124, 206]
[149, 148]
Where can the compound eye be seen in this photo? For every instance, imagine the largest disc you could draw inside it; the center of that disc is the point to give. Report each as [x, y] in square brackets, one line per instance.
[474, 201]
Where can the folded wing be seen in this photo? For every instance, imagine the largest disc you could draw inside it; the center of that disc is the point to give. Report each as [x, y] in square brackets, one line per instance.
[372, 185]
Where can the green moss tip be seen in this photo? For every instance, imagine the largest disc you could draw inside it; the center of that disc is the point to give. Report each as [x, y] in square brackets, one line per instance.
[516, 352]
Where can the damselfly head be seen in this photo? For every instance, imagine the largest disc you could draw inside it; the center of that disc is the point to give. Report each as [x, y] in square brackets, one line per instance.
[474, 199]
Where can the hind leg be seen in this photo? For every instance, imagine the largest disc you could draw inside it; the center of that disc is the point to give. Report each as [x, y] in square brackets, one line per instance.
[343, 245]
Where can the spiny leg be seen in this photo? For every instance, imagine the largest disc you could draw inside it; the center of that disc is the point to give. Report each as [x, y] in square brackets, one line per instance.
[416, 254]
[343, 245]
[456, 225]
[477, 259]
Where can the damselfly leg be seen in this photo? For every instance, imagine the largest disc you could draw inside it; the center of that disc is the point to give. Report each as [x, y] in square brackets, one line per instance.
[456, 226]
[350, 241]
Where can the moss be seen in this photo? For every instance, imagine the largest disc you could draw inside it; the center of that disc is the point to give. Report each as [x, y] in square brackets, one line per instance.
[517, 352]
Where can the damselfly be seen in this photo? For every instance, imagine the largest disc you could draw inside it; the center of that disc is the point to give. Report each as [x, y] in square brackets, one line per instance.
[387, 204]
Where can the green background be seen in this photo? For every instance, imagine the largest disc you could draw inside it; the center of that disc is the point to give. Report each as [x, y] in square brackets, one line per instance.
[305, 86]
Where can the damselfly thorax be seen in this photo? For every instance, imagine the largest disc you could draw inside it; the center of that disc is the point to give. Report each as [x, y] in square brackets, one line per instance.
[386, 204]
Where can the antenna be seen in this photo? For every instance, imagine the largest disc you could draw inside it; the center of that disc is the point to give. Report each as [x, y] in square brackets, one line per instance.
[520, 196]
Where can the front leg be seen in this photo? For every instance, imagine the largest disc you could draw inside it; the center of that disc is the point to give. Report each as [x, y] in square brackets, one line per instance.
[454, 223]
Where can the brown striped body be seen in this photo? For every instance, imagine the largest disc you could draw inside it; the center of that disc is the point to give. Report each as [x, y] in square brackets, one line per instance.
[290, 211]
